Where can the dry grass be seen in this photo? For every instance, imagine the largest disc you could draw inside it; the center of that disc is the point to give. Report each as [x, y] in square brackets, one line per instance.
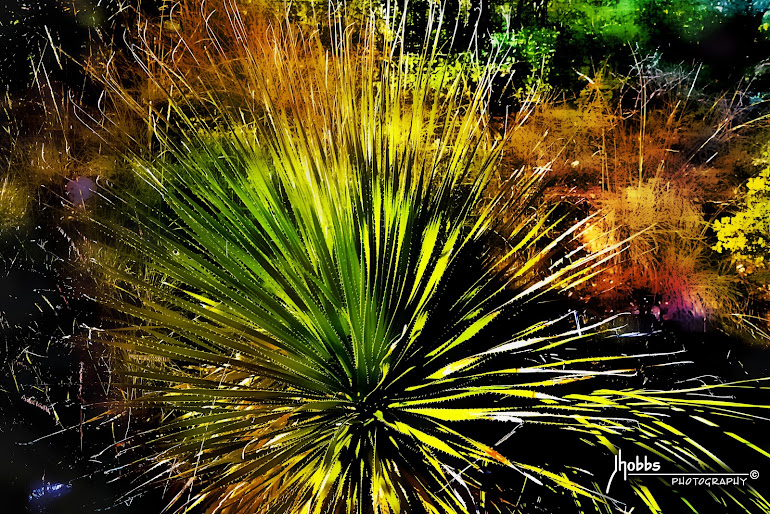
[666, 253]
[647, 150]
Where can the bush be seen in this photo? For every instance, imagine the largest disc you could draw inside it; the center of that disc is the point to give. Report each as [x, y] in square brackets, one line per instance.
[746, 234]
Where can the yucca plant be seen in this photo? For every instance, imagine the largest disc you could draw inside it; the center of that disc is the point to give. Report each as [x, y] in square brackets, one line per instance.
[348, 321]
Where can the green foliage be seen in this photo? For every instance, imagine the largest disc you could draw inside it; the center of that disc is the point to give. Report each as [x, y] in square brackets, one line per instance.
[725, 36]
[613, 19]
[529, 52]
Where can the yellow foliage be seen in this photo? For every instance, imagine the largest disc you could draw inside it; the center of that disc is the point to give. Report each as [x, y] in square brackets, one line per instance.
[746, 235]
[14, 200]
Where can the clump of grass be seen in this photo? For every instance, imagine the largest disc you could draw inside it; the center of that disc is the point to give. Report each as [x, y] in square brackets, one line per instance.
[666, 253]
[336, 329]
[650, 150]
